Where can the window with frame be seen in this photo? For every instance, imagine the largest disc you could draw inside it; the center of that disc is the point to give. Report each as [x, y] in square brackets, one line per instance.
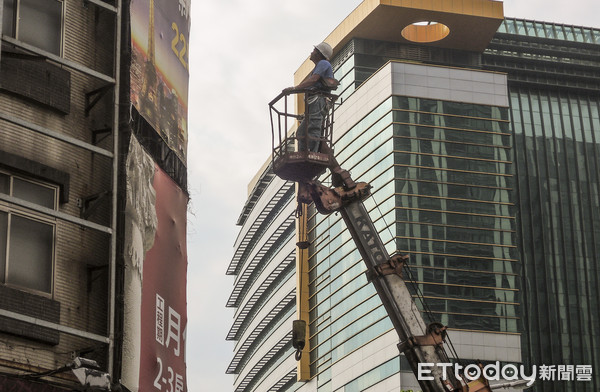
[27, 238]
[35, 22]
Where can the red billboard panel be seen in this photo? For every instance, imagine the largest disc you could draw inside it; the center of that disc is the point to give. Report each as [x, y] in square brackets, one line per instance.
[164, 306]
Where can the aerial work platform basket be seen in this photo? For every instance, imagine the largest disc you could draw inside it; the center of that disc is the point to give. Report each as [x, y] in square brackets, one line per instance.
[292, 159]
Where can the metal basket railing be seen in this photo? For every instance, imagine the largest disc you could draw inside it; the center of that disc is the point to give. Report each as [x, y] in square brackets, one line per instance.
[288, 148]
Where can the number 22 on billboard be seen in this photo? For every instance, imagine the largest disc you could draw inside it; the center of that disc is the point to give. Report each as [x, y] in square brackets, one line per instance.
[184, 45]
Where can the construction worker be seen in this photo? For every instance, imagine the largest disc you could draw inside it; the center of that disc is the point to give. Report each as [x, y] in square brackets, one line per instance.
[310, 130]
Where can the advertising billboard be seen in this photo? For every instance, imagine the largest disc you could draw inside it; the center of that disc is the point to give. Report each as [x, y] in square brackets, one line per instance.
[155, 304]
[160, 67]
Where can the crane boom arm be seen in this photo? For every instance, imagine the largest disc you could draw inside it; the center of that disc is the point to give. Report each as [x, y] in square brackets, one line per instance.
[395, 295]
[419, 342]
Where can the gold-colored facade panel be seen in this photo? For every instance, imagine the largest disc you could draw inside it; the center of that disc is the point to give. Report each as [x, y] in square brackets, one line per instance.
[386, 19]
[487, 8]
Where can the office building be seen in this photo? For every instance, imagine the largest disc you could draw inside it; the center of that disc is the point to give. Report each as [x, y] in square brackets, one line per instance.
[478, 133]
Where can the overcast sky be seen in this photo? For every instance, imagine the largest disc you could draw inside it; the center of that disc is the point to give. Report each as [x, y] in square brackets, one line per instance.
[242, 54]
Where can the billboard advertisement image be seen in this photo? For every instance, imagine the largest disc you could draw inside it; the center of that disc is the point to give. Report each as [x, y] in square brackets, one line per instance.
[155, 304]
[160, 68]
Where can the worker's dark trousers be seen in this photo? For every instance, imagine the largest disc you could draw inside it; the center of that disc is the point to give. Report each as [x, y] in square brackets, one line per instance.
[313, 120]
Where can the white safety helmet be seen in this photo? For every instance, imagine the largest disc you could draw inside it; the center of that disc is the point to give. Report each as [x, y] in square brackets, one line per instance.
[325, 50]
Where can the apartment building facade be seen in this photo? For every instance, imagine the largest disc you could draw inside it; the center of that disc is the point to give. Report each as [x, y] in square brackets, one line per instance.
[68, 122]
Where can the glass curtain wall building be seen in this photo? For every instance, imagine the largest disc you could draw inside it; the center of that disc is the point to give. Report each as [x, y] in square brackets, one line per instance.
[553, 78]
[484, 167]
[442, 178]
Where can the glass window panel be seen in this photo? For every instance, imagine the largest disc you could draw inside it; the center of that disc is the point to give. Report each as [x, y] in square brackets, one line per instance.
[578, 34]
[374, 376]
[3, 243]
[550, 32]
[30, 254]
[530, 28]
[40, 24]
[510, 26]
[8, 18]
[568, 33]
[370, 138]
[346, 87]
[520, 27]
[539, 28]
[34, 193]
[4, 184]
[502, 28]
[482, 323]
[560, 34]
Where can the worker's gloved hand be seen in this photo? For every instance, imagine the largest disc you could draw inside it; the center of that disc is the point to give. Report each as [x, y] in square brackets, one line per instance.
[289, 90]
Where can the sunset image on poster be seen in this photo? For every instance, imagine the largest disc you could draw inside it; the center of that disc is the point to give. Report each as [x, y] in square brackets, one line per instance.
[160, 67]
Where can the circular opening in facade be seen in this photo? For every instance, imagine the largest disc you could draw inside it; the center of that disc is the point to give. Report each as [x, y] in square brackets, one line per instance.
[425, 31]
